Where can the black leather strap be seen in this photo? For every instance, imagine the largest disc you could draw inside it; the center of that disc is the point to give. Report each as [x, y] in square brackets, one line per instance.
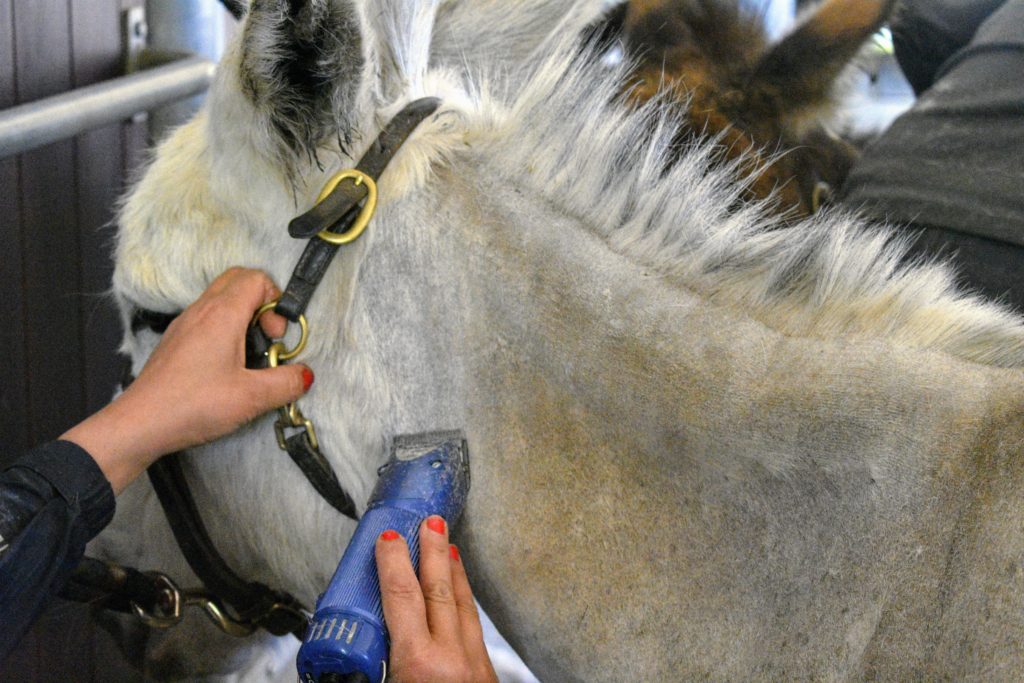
[143, 319]
[278, 613]
[339, 209]
[319, 473]
[329, 214]
[308, 273]
[310, 460]
[111, 586]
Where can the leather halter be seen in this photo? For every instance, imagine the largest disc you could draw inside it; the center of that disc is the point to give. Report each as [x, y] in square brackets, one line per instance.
[154, 597]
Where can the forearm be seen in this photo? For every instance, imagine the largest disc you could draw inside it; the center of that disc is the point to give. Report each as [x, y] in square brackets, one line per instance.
[124, 438]
[52, 502]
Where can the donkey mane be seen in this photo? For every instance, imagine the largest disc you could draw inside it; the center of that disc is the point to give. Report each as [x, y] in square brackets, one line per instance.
[620, 171]
[832, 277]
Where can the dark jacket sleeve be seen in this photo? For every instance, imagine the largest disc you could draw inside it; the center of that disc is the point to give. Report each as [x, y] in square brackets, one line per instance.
[53, 501]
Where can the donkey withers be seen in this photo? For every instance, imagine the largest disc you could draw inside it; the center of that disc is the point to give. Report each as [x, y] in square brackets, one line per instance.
[767, 106]
[705, 445]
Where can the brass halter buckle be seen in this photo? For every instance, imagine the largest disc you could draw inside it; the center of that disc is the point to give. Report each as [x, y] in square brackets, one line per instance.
[289, 416]
[363, 219]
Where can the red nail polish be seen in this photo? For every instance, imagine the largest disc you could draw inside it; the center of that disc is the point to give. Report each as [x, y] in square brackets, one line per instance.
[389, 535]
[435, 524]
[307, 379]
[454, 552]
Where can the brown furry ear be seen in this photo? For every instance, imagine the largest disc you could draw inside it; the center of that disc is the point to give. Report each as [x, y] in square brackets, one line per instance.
[798, 72]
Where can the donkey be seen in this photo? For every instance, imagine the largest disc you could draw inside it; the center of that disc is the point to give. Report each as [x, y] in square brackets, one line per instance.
[706, 445]
[767, 106]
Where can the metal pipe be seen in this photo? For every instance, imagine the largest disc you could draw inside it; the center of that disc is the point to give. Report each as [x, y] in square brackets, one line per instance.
[186, 26]
[64, 116]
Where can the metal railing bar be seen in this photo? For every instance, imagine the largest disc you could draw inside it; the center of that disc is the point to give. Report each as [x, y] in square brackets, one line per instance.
[64, 116]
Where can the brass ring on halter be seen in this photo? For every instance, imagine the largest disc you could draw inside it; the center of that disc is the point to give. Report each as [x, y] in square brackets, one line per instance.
[303, 330]
[363, 219]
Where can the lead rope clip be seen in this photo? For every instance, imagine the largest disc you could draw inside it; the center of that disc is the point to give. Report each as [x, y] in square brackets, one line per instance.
[289, 416]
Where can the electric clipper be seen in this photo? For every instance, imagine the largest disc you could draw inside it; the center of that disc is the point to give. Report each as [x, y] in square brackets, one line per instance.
[347, 640]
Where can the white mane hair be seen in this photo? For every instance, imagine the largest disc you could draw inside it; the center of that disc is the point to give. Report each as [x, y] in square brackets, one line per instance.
[567, 136]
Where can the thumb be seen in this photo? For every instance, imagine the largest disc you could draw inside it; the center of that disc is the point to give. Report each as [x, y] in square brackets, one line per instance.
[274, 387]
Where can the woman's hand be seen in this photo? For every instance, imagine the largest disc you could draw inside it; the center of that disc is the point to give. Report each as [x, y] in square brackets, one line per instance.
[195, 386]
[433, 622]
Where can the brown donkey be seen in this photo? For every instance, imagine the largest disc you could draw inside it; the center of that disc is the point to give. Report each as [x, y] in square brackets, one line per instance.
[766, 103]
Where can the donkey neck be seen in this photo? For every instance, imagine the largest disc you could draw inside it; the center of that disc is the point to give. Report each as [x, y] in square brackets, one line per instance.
[482, 297]
[624, 427]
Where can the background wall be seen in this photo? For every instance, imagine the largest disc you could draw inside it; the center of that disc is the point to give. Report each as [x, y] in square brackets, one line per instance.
[58, 332]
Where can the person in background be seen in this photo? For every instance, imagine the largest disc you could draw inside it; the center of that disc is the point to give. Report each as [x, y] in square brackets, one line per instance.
[193, 389]
[950, 171]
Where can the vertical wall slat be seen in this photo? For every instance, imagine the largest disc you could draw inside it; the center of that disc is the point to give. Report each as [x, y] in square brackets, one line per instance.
[13, 397]
[135, 133]
[54, 349]
[99, 172]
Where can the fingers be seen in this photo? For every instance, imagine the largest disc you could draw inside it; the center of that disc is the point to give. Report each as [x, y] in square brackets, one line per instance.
[273, 324]
[436, 580]
[247, 290]
[426, 617]
[272, 388]
[469, 618]
[401, 597]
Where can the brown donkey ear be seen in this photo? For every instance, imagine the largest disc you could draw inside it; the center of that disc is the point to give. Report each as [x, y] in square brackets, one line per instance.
[798, 72]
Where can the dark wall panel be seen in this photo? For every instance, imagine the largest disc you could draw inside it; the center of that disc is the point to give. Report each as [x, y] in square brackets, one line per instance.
[99, 170]
[13, 397]
[54, 363]
[58, 330]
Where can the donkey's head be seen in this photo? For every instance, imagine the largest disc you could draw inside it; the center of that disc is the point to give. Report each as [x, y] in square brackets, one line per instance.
[308, 80]
[306, 76]
[766, 103]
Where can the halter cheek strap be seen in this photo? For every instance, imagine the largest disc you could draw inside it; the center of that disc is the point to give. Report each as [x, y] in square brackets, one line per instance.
[337, 211]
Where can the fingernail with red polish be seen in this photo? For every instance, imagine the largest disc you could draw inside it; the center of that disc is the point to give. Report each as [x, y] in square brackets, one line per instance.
[435, 524]
[307, 379]
[454, 552]
[389, 535]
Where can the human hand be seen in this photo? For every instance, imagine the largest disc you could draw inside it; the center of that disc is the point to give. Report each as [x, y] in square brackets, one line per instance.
[195, 387]
[435, 629]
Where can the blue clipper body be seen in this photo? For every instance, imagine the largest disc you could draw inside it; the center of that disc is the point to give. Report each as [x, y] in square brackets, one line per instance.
[347, 641]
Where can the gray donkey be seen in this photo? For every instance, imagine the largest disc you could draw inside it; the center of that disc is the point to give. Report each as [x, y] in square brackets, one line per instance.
[706, 446]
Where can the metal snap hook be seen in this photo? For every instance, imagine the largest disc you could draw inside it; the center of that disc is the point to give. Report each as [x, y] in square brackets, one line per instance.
[162, 616]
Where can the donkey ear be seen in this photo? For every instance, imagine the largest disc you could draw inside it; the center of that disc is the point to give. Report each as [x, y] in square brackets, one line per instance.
[798, 72]
[301, 67]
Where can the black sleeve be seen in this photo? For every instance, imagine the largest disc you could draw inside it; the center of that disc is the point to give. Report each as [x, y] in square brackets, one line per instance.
[927, 33]
[53, 501]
